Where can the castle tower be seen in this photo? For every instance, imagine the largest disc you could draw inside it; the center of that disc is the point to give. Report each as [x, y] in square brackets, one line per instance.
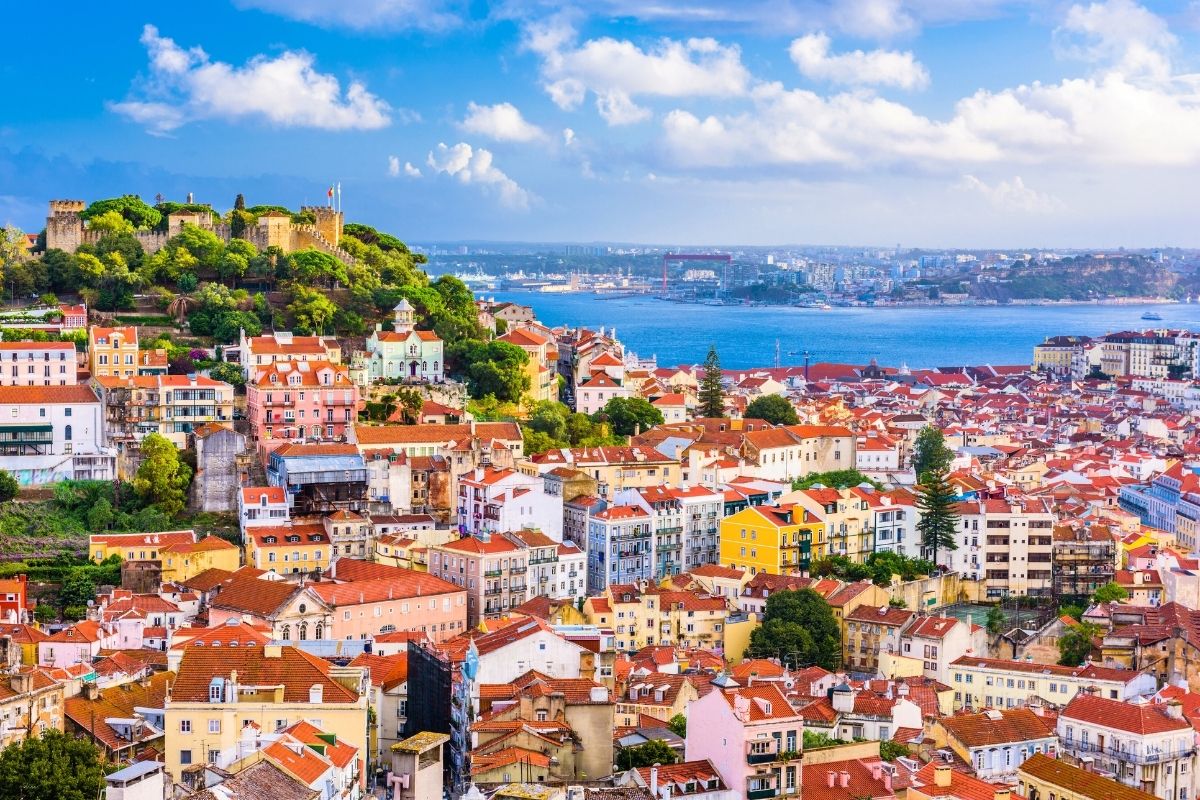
[403, 321]
[328, 224]
[64, 225]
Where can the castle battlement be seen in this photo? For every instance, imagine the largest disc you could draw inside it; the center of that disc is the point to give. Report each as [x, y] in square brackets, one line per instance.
[67, 206]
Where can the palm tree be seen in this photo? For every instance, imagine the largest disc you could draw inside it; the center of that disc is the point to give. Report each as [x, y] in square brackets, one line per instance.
[180, 306]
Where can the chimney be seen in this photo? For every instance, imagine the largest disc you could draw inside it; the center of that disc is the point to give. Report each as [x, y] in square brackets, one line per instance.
[832, 779]
[272, 651]
[1175, 709]
[941, 775]
[844, 779]
[1002, 794]
[887, 782]
[654, 779]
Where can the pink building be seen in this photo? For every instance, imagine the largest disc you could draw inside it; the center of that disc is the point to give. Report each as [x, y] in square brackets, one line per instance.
[79, 644]
[381, 599]
[491, 569]
[752, 736]
[298, 401]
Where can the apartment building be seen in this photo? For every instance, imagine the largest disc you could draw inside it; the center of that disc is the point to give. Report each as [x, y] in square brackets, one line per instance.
[377, 599]
[996, 743]
[753, 738]
[777, 539]
[283, 346]
[113, 352]
[1007, 542]
[495, 500]
[292, 547]
[614, 468]
[53, 433]
[940, 641]
[262, 505]
[299, 400]
[556, 570]
[1085, 558]
[686, 524]
[1043, 777]
[492, 569]
[848, 519]
[999, 683]
[37, 364]
[31, 703]
[870, 631]
[170, 405]
[620, 547]
[1146, 746]
[649, 616]
[220, 693]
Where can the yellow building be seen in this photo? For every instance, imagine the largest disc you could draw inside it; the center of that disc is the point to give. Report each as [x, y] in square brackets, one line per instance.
[221, 695]
[113, 351]
[136, 546]
[399, 550]
[1056, 354]
[658, 617]
[289, 548]
[774, 539]
[185, 560]
[30, 702]
[1042, 777]
[848, 529]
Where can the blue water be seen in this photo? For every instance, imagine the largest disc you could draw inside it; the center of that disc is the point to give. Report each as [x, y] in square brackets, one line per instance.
[919, 337]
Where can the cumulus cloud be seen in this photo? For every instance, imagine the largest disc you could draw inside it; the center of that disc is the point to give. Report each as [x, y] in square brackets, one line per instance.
[860, 68]
[393, 166]
[1100, 119]
[1120, 35]
[1012, 195]
[186, 85]
[873, 19]
[410, 170]
[502, 122]
[396, 170]
[470, 165]
[617, 71]
[366, 15]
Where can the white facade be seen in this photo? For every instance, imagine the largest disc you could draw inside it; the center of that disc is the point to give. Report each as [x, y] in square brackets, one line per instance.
[53, 433]
[495, 501]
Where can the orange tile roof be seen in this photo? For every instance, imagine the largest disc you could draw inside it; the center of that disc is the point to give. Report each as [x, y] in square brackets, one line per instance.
[1079, 781]
[378, 590]
[1013, 725]
[1139, 718]
[294, 669]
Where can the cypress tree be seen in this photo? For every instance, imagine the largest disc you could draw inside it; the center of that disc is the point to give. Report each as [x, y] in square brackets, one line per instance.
[939, 516]
[712, 396]
[237, 220]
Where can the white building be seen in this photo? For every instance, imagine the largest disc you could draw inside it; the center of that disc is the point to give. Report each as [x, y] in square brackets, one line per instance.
[263, 505]
[53, 433]
[498, 500]
[1008, 542]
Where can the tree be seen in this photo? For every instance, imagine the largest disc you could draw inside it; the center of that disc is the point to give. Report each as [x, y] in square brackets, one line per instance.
[890, 750]
[930, 453]
[773, 408]
[836, 479]
[1109, 593]
[229, 373]
[52, 766]
[8, 486]
[712, 394]
[655, 751]
[1076, 643]
[162, 478]
[678, 725]
[799, 629]
[629, 415]
[110, 222]
[129, 206]
[311, 310]
[939, 517]
[239, 218]
[494, 368]
[996, 621]
[77, 588]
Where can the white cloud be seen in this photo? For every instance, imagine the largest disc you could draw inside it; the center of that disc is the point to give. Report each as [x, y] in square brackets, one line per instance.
[1119, 35]
[410, 170]
[474, 166]
[185, 86]
[502, 122]
[393, 166]
[877, 67]
[1109, 118]
[873, 19]
[1012, 195]
[395, 169]
[365, 15]
[617, 71]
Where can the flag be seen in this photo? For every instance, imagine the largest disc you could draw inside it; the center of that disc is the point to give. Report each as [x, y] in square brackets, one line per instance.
[329, 194]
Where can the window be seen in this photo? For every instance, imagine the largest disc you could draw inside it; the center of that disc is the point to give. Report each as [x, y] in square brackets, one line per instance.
[185, 726]
[185, 757]
[214, 726]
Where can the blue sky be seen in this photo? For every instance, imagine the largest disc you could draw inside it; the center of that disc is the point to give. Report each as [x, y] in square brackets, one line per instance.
[967, 123]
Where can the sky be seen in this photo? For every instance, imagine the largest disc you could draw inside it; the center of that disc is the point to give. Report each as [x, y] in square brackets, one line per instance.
[923, 123]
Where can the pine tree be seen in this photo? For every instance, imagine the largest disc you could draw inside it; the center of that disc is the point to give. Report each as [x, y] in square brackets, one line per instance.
[237, 219]
[930, 453]
[939, 517]
[712, 396]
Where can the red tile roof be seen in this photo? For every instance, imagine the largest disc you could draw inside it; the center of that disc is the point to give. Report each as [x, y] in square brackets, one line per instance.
[1139, 718]
[292, 668]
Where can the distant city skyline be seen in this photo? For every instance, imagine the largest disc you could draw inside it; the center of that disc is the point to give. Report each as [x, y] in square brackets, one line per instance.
[992, 124]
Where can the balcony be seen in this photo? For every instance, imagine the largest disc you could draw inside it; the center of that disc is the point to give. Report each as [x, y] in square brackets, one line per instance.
[519, 570]
[1152, 757]
[492, 573]
[491, 591]
[544, 560]
[760, 758]
[761, 794]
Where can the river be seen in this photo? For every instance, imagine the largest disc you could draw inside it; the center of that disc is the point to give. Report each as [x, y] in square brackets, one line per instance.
[926, 336]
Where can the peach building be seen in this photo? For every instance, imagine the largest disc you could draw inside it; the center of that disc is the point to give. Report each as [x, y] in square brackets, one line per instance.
[379, 599]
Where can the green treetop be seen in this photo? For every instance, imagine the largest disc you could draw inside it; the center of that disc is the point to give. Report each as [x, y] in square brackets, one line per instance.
[773, 408]
[712, 394]
[936, 500]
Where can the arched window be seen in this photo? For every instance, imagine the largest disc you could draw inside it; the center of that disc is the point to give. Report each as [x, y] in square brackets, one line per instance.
[316, 431]
[320, 629]
[67, 433]
[303, 631]
[287, 632]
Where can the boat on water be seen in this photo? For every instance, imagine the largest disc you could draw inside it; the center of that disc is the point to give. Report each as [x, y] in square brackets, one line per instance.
[1151, 315]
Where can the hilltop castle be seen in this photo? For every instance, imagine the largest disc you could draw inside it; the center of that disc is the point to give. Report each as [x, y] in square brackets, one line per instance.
[67, 230]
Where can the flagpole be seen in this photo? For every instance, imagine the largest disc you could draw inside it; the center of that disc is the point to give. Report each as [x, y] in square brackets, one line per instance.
[339, 196]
